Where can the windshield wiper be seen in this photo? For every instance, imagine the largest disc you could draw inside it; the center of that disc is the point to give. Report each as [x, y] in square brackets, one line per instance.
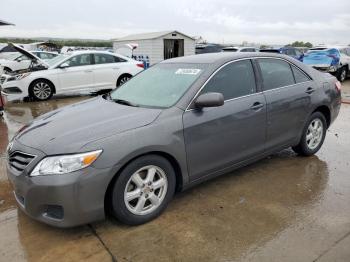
[125, 102]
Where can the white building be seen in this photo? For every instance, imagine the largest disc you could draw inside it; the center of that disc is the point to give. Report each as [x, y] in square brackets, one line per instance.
[158, 45]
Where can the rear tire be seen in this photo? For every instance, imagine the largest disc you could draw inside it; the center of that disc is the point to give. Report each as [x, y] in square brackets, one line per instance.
[137, 195]
[41, 90]
[313, 135]
[342, 74]
[123, 79]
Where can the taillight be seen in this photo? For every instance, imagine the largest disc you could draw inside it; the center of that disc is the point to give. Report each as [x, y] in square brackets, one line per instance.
[141, 65]
[338, 85]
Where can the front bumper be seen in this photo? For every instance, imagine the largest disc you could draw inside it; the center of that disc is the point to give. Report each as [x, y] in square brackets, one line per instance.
[14, 90]
[62, 200]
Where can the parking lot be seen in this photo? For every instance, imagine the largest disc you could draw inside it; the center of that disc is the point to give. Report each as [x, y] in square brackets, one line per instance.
[283, 208]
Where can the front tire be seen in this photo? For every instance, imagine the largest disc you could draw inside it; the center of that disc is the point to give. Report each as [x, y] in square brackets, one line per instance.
[41, 90]
[143, 190]
[313, 135]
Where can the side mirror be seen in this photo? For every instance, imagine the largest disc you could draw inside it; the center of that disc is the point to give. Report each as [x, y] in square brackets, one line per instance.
[209, 100]
[64, 65]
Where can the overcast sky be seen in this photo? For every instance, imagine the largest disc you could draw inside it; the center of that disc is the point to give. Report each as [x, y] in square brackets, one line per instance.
[228, 21]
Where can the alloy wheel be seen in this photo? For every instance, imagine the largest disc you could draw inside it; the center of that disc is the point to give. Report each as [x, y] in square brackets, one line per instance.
[145, 190]
[123, 80]
[314, 134]
[42, 90]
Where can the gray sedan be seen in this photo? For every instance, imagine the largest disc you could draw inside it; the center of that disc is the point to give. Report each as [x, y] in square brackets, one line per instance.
[181, 122]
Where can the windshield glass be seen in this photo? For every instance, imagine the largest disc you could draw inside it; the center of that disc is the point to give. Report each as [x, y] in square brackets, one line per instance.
[13, 56]
[56, 59]
[159, 86]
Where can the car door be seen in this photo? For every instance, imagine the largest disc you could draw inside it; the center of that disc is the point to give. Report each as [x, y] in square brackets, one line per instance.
[219, 137]
[76, 74]
[107, 70]
[288, 92]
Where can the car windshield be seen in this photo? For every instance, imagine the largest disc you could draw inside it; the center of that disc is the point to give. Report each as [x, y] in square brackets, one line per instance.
[160, 86]
[56, 59]
[13, 56]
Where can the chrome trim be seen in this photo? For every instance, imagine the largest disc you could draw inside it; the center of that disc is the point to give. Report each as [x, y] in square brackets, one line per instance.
[285, 86]
[247, 58]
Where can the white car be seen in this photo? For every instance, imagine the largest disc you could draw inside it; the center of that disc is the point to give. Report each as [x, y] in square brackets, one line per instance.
[239, 49]
[19, 61]
[76, 72]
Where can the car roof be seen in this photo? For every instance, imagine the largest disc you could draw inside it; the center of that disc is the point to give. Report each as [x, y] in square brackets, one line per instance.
[329, 47]
[39, 51]
[90, 52]
[222, 57]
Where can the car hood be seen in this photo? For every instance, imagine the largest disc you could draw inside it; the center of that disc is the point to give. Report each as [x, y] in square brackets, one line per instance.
[67, 129]
[29, 55]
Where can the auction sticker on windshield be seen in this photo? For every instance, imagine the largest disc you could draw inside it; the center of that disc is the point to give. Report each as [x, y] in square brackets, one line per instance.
[187, 71]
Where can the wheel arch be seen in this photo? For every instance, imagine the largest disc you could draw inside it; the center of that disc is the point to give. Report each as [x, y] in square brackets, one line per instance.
[42, 78]
[326, 112]
[8, 68]
[172, 160]
[122, 75]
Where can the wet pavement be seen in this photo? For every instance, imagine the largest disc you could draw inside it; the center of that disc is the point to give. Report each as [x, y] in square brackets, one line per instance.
[283, 208]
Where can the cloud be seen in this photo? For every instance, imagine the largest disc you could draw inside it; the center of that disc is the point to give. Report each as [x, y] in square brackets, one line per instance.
[269, 21]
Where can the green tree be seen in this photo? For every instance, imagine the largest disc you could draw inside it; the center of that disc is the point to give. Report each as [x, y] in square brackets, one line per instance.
[301, 44]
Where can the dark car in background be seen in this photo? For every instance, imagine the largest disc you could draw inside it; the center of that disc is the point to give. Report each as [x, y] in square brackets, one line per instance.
[286, 50]
[208, 48]
[334, 60]
[239, 49]
[170, 127]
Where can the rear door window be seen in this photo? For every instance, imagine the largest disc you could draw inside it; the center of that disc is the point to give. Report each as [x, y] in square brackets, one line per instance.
[275, 73]
[233, 80]
[104, 59]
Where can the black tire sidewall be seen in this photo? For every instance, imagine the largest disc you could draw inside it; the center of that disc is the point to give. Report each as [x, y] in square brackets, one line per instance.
[303, 144]
[118, 207]
[31, 93]
[342, 69]
[120, 79]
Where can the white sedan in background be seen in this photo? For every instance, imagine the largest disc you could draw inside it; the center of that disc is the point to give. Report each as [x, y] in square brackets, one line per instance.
[76, 72]
[18, 61]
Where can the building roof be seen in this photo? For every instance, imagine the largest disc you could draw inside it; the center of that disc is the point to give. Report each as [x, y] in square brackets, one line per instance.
[147, 36]
[2, 22]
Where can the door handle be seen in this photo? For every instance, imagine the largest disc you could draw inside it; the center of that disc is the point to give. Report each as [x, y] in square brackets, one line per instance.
[257, 106]
[115, 68]
[88, 71]
[310, 90]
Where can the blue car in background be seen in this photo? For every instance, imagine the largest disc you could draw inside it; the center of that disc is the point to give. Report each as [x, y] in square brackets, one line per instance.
[334, 60]
[286, 50]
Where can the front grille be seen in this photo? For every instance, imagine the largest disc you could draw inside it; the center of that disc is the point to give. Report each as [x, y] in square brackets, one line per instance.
[19, 160]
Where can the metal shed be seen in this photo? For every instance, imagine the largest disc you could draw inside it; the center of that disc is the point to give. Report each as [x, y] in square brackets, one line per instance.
[158, 46]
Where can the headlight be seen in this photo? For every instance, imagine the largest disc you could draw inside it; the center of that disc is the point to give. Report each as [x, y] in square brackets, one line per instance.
[18, 77]
[58, 165]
